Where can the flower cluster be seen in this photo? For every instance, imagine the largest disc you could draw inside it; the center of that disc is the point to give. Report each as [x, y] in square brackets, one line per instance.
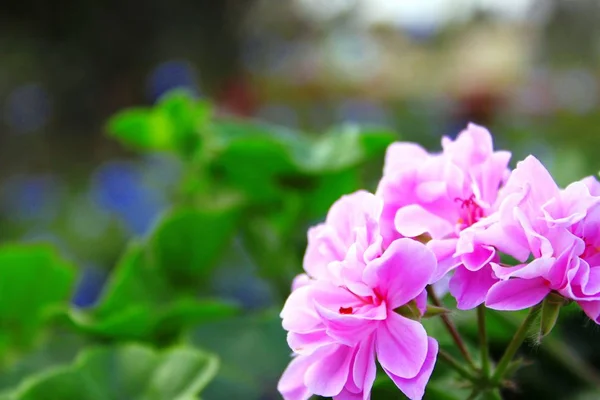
[433, 216]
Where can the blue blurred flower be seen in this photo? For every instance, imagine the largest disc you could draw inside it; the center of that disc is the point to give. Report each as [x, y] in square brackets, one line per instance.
[31, 198]
[89, 287]
[118, 187]
[170, 75]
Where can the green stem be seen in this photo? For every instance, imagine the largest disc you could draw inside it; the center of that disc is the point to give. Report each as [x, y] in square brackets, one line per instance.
[483, 343]
[514, 345]
[492, 394]
[451, 328]
[452, 362]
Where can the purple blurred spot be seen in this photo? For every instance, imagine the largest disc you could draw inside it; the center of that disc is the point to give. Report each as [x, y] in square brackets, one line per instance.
[31, 198]
[171, 75]
[89, 287]
[27, 108]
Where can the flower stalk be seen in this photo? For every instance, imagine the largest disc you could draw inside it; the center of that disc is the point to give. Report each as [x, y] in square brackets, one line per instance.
[451, 328]
[514, 345]
[483, 343]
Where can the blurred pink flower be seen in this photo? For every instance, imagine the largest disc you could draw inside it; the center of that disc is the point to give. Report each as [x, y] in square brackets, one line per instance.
[439, 196]
[558, 228]
[340, 316]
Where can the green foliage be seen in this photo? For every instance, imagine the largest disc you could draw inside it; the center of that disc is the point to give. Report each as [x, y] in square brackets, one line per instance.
[187, 243]
[140, 303]
[172, 125]
[34, 281]
[126, 371]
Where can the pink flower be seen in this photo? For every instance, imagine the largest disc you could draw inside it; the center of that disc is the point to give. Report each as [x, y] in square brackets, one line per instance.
[558, 228]
[439, 196]
[350, 232]
[340, 317]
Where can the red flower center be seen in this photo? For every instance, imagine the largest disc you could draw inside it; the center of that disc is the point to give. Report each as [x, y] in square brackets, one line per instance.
[345, 310]
[470, 212]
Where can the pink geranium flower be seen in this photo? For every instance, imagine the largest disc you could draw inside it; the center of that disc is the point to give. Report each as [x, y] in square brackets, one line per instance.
[557, 228]
[341, 317]
[439, 196]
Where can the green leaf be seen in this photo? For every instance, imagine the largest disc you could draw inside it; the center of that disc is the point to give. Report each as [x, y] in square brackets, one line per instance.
[187, 116]
[174, 124]
[59, 347]
[283, 158]
[329, 188]
[187, 244]
[253, 353]
[346, 147]
[143, 129]
[139, 304]
[126, 371]
[33, 281]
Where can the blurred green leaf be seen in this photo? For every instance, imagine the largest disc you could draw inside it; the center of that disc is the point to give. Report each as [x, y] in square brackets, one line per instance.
[33, 281]
[347, 146]
[126, 371]
[265, 161]
[142, 129]
[187, 243]
[59, 347]
[138, 303]
[329, 188]
[173, 125]
[253, 353]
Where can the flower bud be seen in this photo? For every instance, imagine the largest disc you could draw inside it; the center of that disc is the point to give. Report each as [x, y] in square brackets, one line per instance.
[550, 309]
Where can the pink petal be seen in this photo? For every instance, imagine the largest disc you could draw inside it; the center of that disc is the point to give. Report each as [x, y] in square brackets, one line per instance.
[345, 394]
[478, 258]
[349, 329]
[298, 312]
[365, 369]
[403, 155]
[414, 220]
[291, 385]
[539, 267]
[531, 171]
[592, 309]
[401, 346]
[402, 272]
[517, 294]
[309, 342]
[414, 388]
[300, 280]
[493, 171]
[326, 376]
[443, 250]
[470, 288]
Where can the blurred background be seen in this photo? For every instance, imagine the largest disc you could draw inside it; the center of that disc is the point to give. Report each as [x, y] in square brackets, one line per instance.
[529, 70]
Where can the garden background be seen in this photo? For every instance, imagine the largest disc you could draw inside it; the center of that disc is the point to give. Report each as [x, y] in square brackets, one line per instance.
[179, 223]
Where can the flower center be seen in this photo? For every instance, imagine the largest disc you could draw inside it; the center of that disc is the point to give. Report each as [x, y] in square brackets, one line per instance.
[590, 250]
[470, 212]
[345, 310]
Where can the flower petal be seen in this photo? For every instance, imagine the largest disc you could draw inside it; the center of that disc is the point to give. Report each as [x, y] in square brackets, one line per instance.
[470, 288]
[327, 375]
[401, 346]
[592, 309]
[517, 294]
[402, 272]
[414, 388]
[364, 371]
[291, 384]
[414, 220]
